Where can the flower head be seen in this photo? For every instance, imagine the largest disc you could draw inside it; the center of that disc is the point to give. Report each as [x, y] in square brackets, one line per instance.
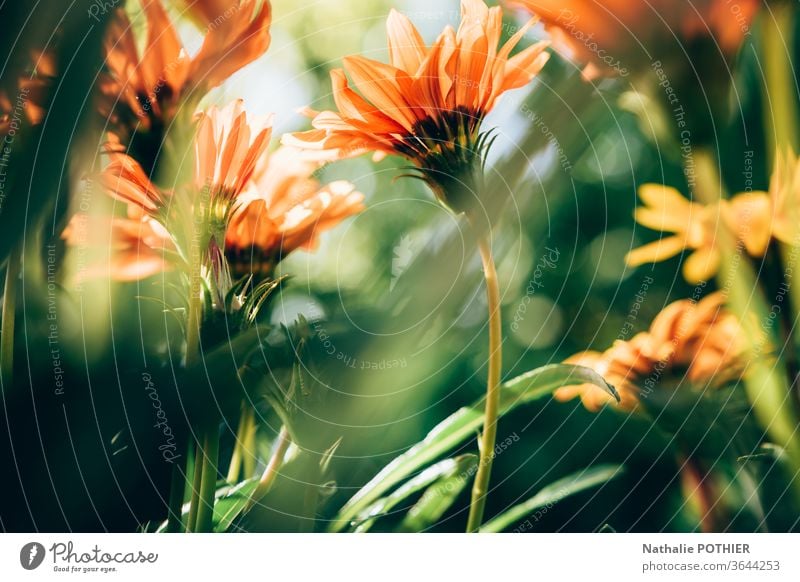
[285, 208]
[428, 103]
[139, 246]
[701, 340]
[695, 227]
[142, 90]
[252, 207]
[616, 35]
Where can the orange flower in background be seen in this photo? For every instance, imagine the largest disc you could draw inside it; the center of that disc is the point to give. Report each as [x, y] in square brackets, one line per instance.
[428, 103]
[262, 206]
[139, 247]
[25, 101]
[142, 90]
[616, 35]
[227, 147]
[285, 209]
[695, 226]
[700, 341]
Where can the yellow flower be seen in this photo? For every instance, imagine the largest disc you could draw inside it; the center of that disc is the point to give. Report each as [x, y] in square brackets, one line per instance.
[695, 226]
[701, 340]
[784, 191]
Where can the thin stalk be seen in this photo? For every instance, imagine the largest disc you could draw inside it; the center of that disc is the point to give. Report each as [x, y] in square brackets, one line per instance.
[249, 447]
[780, 110]
[208, 484]
[480, 487]
[235, 466]
[780, 88]
[9, 315]
[177, 487]
[271, 472]
[766, 382]
[197, 479]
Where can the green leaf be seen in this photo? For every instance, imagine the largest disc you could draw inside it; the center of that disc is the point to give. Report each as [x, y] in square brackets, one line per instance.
[436, 500]
[554, 493]
[463, 424]
[461, 467]
[230, 502]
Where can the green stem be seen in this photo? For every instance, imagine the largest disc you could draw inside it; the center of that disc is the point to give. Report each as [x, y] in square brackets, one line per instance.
[235, 466]
[766, 382]
[480, 487]
[271, 472]
[780, 89]
[197, 479]
[9, 316]
[208, 484]
[178, 485]
[249, 447]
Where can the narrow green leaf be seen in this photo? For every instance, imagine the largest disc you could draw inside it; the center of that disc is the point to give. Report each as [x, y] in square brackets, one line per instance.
[230, 502]
[461, 467]
[554, 493]
[463, 424]
[436, 500]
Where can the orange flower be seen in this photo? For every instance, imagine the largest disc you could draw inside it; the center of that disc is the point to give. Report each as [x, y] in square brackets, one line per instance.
[144, 90]
[139, 246]
[702, 340]
[285, 209]
[226, 148]
[262, 206]
[747, 216]
[31, 95]
[429, 102]
[614, 35]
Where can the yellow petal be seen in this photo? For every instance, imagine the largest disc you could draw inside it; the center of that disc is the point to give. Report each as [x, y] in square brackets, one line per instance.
[655, 252]
[702, 265]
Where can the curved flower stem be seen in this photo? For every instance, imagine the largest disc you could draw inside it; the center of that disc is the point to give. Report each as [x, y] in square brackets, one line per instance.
[480, 487]
[9, 315]
[271, 472]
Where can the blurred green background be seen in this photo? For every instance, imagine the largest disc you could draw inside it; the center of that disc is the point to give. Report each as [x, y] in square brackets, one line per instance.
[392, 337]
